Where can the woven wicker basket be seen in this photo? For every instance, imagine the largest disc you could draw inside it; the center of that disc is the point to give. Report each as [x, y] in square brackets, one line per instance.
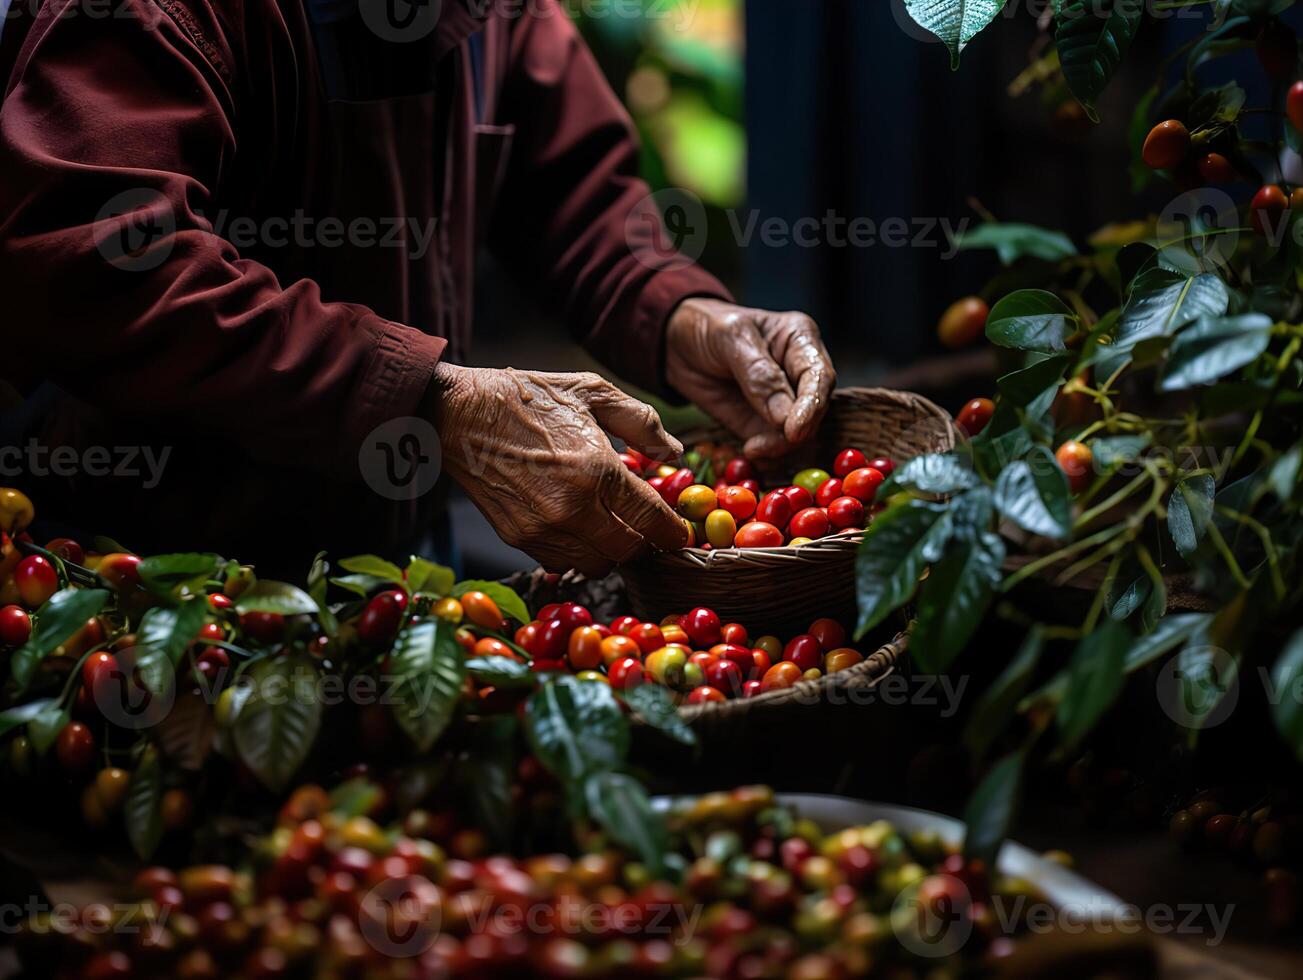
[732, 715]
[782, 590]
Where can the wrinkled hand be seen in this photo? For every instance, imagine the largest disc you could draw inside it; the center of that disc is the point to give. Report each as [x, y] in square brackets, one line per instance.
[531, 450]
[764, 375]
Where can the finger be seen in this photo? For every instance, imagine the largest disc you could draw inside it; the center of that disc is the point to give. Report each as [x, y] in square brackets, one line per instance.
[627, 418]
[767, 445]
[759, 376]
[644, 511]
[761, 440]
[807, 362]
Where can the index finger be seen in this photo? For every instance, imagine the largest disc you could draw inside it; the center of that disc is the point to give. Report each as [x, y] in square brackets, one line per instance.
[633, 500]
[807, 362]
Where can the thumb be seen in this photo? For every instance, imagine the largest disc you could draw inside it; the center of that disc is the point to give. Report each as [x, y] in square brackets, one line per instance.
[627, 418]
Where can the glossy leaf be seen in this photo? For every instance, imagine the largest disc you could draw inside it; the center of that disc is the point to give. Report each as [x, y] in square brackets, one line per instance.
[279, 720]
[1092, 38]
[374, 565]
[1095, 677]
[501, 671]
[21, 714]
[1161, 302]
[953, 600]
[488, 778]
[143, 807]
[901, 542]
[655, 707]
[1015, 241]
[1189, 510]
[955, 22]
[576, 728]
[1031, 319]
[1213, 347]
[1033, 493]
[430, 667]
[1287, 694]
[991, 809]
[426, 576]
[620, 805]
[62, 615]
[276, 597]
[45, 726]
[1028, 384]
[169, 630]
[163, 573]
[930, 473]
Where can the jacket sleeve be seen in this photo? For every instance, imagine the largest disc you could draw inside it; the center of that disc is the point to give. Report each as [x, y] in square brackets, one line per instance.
[116, 137]
[575, 219]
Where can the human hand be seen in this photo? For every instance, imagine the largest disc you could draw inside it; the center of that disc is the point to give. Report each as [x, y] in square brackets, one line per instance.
[764, 375]
[531, 451]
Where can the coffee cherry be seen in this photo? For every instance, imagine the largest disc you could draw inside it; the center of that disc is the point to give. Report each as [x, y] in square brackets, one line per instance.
[1075, 459]
[36, 580]
[15, 626]
[972, 418]
[963, 322]
[1166, 146]
[1294, 106]
[1216, 169]
[1266, 208]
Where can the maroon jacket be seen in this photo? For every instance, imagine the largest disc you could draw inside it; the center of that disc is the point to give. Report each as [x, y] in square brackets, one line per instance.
[310, 199]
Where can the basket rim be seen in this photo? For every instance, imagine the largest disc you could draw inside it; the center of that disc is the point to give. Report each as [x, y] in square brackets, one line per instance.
[701, 558]
[865, 675]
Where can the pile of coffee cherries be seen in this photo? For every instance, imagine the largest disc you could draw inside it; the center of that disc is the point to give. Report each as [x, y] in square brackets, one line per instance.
[695, 655]
[750, 889]
[735, 514]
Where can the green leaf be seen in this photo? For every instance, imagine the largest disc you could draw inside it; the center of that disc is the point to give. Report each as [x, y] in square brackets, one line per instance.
[318, 579]
[1201, 683]
[276, 597]
[354, 797]
[902, 541]
[1028, 384]
[163, 573]
[501, 671]
[930, 473]
[991, 809]
[1161, 302]
[1213, 347]
[1284, 473]
[1136, 132]
[1189, 510]
[1287, 694]
[619, 804]
[576, 728]
[1095, 677]
[1033, 493]
[1091, 44]
[374, 565]
[509, 603]
[426, 576]
[489, 775]
[45, 726]
[1169, 633]
[278, 722]
[21, 714]
[143, 807]
[362, 585]
[1014, 241]
[1110, 451]
[168, 631]
[430, 667]
[654, 706]
[998, 702]
[1031, 319]
[955, 22]
[1123, 604]
[954, 599]
[63, 615]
